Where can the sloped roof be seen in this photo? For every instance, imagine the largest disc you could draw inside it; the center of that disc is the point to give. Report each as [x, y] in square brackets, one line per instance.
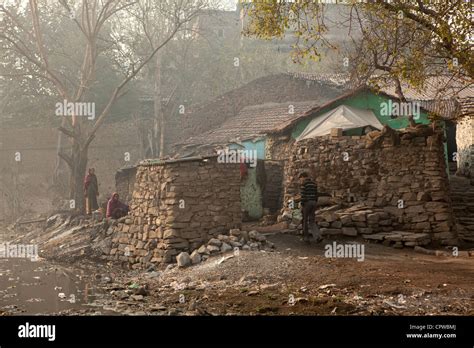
[435, 87]
[257, 120]
[466, 106]
[337, 79]
[442, 95]
[286, 125]
[253, 122]
[275, 88]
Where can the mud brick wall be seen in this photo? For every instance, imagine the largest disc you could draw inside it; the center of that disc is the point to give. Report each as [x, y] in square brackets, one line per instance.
[414, 172]
[177, 206]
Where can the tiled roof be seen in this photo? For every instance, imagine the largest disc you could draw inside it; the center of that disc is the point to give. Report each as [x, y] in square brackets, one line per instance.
[440, 95]
[443, 95]
[466, 106]
[436, 87]
[253, 122]
[275, 88]
[338, 79]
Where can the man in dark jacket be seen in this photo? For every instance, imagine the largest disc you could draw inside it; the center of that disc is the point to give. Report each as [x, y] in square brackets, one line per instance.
[308, 199]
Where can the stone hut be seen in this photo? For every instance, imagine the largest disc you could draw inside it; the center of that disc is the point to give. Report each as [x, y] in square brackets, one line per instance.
[401, 187]
[177, 205]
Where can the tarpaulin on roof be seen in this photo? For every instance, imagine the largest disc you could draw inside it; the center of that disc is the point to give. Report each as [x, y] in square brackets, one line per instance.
[345, 117]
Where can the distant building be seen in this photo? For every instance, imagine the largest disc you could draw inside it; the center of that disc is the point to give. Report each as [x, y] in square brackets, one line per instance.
[218, 26]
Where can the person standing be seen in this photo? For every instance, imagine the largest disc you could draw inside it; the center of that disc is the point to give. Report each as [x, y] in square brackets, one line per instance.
[91, 191]
[308, 199]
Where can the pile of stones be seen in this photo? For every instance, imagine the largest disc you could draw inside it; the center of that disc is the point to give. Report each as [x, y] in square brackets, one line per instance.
[236, 240]
[356, 220]
[349, 221]
[399, 239]
[372, 224]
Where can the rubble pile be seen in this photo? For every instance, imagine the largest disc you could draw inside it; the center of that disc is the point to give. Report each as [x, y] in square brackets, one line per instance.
[372, 224]
[399, 239]
[355, 221]
[236, 240]
[67, 237]
[391, 187]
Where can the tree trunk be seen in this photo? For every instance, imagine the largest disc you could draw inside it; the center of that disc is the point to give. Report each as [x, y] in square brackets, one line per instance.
[78, 170]
[158, 111]
[60, 173]
[162, 134]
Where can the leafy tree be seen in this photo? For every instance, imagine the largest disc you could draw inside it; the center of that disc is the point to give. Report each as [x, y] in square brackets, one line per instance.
[401, 41]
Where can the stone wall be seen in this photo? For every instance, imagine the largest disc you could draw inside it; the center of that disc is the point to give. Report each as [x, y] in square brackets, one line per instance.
[402, 187]
[125, 183]
[278, 147]
[273, 192]
[177, 206]
[465, 144]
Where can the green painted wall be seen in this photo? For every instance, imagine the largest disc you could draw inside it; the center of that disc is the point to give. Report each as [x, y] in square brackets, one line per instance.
[251, 195]
[258, 146]
[250, 192]
[363, 100]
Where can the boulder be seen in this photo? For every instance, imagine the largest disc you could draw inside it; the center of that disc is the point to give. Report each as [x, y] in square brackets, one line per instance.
[235, 232]
[225, 247]
[223, 238]
[203, 250]
[349, 231]
[183, 259]
[195, 257]
[215, 242]
[212, 249]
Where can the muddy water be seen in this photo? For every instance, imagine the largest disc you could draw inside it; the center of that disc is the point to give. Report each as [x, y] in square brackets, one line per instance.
[39, 287]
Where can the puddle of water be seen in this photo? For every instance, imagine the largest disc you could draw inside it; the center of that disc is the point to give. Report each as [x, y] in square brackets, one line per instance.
[28, 287]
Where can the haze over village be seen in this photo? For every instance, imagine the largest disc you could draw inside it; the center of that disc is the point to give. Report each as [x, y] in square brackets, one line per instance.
[211, 158]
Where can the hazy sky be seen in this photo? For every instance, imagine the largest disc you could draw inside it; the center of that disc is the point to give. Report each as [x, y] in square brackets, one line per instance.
[229, 4]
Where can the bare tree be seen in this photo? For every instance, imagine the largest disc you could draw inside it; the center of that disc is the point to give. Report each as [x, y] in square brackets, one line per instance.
[102, 26]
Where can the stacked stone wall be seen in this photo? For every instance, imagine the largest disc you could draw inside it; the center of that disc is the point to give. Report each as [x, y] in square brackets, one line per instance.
[177, 206]
[392, 187]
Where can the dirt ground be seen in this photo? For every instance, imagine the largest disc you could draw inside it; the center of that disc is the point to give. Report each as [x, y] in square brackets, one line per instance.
[293, 279]
[297, 279]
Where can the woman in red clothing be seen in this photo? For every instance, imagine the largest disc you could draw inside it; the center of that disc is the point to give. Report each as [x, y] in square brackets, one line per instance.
[115, 208]
[91, 191]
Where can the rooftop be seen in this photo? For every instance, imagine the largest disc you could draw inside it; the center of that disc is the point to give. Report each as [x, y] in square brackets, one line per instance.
[254, 121]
